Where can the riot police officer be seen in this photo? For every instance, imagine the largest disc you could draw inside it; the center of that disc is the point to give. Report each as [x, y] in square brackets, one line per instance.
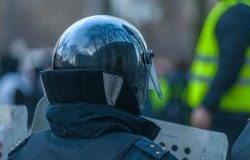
[101, 72]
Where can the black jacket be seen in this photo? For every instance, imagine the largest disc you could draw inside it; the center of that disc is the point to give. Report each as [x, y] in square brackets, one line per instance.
[92, 132]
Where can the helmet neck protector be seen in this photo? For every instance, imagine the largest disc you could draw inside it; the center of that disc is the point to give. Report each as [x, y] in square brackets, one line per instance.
[90, 86]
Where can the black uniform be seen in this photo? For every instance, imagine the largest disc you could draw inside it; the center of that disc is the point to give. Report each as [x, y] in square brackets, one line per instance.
[88, 131]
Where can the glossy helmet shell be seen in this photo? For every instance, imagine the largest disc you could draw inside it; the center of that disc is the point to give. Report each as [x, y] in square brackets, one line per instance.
[107, 43]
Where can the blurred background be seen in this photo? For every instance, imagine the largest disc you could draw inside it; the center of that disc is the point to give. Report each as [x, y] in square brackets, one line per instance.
[170, 27]
[29, 30]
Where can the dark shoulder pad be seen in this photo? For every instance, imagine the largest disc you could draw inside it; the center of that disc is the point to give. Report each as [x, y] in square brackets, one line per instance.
[18, 146]
[153, 149]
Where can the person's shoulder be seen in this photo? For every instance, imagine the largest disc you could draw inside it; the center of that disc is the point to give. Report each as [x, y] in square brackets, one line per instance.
[18, 147]
[154, 150]
[148, 150]
[29, 141]
[234, 25]
[236, 13]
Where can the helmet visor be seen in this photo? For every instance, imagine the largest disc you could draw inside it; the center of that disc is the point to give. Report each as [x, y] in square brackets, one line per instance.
[153, 80]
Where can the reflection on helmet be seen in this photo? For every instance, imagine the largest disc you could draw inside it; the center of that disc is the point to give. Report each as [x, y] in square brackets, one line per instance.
[107, 43]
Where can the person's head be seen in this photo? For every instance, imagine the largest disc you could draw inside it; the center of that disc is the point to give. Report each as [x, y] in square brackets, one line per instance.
[109, 53]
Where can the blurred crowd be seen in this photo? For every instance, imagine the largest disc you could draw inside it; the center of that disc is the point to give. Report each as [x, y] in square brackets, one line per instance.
[19, 75]
[173, 78]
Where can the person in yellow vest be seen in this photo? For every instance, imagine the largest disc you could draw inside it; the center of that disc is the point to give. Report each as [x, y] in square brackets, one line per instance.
[219, 85]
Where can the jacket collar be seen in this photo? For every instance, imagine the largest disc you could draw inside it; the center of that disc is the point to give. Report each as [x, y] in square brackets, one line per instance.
[82, 120]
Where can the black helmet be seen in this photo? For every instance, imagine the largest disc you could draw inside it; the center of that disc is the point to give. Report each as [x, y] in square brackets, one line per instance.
[110, 44]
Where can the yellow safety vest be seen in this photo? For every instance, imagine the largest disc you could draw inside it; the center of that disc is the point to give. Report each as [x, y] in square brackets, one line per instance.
[205, 65]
